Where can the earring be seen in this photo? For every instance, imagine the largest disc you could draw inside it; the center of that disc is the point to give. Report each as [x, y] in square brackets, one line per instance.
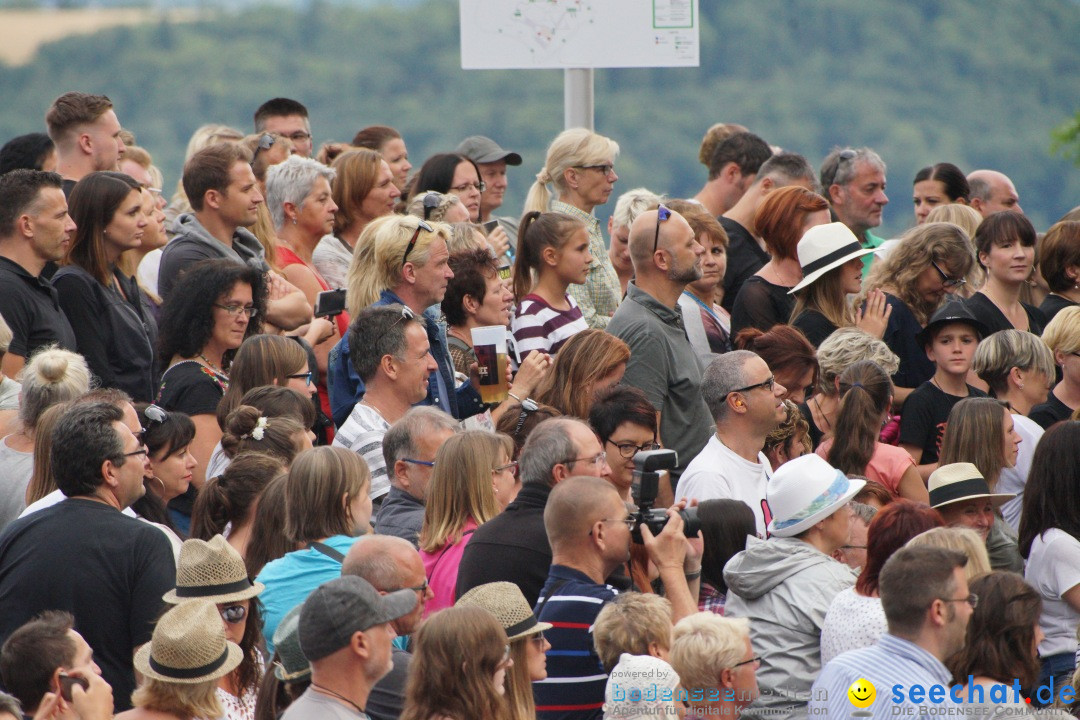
[294, 221]
[1020, 385]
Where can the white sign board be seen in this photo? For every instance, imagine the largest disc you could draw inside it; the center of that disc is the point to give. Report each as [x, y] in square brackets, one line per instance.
[535, 34]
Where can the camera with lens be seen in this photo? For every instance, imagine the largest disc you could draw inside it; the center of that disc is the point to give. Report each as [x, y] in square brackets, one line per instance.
[647, 467]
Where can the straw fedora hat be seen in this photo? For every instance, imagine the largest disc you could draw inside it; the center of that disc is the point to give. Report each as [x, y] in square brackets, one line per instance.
[824, 247]
[189, 646]
[211, 570]
[505, 601]
[805, 491]
[957, 482]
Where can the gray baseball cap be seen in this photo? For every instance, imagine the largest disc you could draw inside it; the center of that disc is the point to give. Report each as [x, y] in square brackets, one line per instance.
[482, 149]
[343, 606]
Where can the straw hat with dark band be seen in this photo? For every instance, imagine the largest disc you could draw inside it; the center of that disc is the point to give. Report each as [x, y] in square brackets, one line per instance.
[957, 482]
[505, 601]
[189, 646]
[211, 570]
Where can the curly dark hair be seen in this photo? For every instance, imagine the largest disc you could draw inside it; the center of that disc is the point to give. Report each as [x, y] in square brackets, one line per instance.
[187, 317]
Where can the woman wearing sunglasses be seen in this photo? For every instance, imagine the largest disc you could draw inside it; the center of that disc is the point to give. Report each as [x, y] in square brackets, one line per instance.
[472, 481]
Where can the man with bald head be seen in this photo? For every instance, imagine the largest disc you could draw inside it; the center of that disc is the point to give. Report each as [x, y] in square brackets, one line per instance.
[666, 256]
[992, 191]
[589, 528]
[389, 564]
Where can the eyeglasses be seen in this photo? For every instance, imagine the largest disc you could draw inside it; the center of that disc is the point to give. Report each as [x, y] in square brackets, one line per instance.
[306, 377]
[662, 215]
[511, 466]
[972, 600]
[598, 459]
[629, 449]
[630, 521]
[431, 202]
[141, 451]
[767, 384]
[852, 547]
[299, 135]
[266, 141]
[422, 588]
[425, 463]
[945, 279]
[233, 614]
[154, 416]
[465, 187]
[420, 225]
[538, 639]
[605, 170]
[756, 660]
[234, 310]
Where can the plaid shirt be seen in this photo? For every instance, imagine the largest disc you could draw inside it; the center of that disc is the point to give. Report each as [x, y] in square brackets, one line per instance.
[710, 599]
[600, 295]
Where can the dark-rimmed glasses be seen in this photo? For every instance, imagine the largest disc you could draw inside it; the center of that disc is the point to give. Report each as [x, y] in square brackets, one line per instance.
[662, 215]
[755, 659]
[422, 588]
[306, 377]
[972, 600]
[629, 449]
[266, 141]
[768, 384]
[425, 463]
[420, 225]
[234, 310]
[431, 202]
[947, 281]
[141, 451]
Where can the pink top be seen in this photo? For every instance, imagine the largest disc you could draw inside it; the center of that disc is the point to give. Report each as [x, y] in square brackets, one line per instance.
[887, 465]
[441, 568]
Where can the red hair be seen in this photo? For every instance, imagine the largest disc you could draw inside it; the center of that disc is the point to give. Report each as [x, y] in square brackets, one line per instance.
[783, 348]
[780, 218]
[890, 530]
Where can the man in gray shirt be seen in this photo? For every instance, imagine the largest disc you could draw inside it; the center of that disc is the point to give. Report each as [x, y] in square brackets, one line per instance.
[666, 256]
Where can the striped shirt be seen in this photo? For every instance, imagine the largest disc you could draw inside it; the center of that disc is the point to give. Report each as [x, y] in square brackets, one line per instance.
[363, 434]
[538, 326]
[599, 297]
[892, 663]
[574, 687]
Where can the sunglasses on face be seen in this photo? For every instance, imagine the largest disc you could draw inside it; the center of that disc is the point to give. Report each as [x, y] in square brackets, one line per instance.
[233, 614]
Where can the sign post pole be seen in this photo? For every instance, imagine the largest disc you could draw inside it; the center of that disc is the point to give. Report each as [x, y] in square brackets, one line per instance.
[578, 98]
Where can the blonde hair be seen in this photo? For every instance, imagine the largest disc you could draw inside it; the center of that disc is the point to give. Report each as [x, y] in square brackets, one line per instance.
[942, 243]
[629, 624]
[967, 217]
[437, 213]
[51, 375]
[462, 486]
[575, 147]
[1062, 334]
[463, 238]
[964, 540]
[1002, 351]
[377, 259]
[185, 701]
[826, 295]
[704, 644]
[632, 203]
[715, 135]
[844, 348]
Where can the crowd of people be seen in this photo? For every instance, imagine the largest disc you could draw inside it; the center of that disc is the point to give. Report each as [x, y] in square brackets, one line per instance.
[750, 455]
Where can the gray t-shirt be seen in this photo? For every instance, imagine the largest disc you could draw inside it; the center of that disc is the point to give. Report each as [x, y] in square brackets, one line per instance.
[15, 471]
[314, 705]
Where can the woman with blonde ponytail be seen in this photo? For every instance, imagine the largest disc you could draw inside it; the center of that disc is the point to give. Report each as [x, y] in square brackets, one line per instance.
[580, 165]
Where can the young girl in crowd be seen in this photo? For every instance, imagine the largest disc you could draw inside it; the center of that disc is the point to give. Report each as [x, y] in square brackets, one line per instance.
[555, 247]
[854, 449]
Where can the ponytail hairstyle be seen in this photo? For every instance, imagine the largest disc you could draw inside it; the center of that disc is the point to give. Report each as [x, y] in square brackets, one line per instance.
[576, 147]
[231, 496]
[865, 393]
[539, 230]
[247, 429]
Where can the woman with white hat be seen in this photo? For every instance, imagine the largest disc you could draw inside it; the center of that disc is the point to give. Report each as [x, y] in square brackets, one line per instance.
[213, 571]
[831, 260]
[182, 664]
[785, 584]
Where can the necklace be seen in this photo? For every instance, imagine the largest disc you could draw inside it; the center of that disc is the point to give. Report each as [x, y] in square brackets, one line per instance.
[339, 696]
[372, 405]
[211, 365]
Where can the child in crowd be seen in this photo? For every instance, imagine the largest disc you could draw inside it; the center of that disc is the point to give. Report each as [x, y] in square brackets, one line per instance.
[555, 247]
[950, 339]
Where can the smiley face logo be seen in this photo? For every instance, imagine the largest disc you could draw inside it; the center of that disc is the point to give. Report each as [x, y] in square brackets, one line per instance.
[861, 693]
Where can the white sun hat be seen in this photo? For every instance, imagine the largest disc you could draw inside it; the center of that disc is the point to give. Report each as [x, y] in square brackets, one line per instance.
[824, 247]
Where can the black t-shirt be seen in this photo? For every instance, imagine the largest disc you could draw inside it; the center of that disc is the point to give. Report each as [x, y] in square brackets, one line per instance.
[1052, 305]
[915, 367]
[31, 308]
[925, 415]
[815, 326]
[744, 258]
[761, 304]
[1050, 412]
[984, 310]
[105, 568]
[387, 698]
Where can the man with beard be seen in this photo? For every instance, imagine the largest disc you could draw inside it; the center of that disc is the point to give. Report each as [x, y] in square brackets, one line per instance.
[666, 256]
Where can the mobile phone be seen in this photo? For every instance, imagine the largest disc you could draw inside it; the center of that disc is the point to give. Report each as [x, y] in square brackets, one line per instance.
[330, 303]
[67, 682]
[490, 225]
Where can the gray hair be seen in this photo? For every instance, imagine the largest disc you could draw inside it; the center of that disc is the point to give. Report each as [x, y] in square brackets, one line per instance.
[291, 181]
[378, 565]
[400, 440]
[862, 511]
[547, 445]
[835, 172]
[979, 189]
[632, 203]
[51, 375]
[844, 348]
[723, 376]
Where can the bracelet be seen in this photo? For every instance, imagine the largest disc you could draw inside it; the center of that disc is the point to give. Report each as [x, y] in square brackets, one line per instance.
[520, 401]
[693, 575]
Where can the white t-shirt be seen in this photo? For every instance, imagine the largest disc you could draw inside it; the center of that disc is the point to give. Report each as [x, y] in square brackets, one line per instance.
[363, 434]
[1012, 480]
[854, 621]
[1053, 568]
[718, 473]
[56, 496]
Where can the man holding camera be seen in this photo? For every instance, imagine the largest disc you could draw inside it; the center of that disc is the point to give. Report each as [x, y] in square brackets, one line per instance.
[589, 528]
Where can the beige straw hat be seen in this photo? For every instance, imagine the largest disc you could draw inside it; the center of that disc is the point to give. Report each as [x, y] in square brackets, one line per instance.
[211, 570]
[189, 646]
[505, 601]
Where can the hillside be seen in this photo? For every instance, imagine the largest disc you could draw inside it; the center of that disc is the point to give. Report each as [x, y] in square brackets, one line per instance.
[977, 84]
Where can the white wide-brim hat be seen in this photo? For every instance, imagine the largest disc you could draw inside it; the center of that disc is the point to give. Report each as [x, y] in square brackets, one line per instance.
[824, 247]
[805, 491]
